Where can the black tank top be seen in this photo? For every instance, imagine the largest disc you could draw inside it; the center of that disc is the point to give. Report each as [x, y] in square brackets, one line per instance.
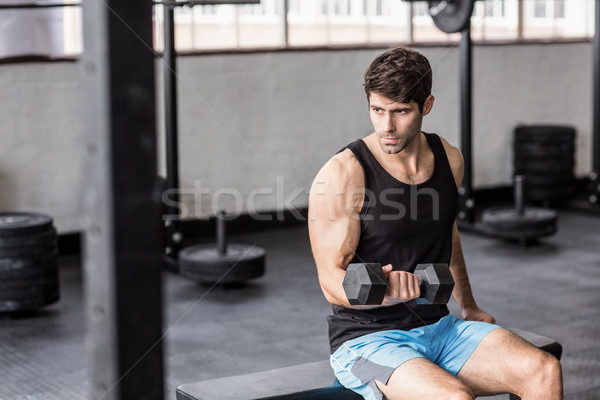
[403, 225]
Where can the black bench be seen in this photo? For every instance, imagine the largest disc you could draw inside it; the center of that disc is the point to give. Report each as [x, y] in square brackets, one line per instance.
[312, 381]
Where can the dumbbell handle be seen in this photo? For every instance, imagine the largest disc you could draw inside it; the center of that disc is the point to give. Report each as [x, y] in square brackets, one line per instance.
[423, 284]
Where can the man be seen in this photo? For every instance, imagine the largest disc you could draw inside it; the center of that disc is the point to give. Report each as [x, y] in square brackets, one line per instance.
[391, 198]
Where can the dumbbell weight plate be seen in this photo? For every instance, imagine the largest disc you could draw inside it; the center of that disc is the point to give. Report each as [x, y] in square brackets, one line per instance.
[364, 284]
[205, 264]
[436, 282]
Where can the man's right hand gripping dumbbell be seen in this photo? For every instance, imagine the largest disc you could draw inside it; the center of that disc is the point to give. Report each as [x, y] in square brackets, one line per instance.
[367, 283]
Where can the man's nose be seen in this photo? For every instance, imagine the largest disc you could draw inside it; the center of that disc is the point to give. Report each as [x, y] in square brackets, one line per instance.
[388, 123]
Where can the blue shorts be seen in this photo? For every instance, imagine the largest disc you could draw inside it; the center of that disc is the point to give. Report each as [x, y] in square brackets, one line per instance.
[448, 343]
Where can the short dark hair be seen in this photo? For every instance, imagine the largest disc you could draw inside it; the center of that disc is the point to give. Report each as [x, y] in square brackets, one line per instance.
[400, 74]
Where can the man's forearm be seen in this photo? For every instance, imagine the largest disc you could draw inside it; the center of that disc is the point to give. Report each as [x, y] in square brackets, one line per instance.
[462, 288]
[462, 292]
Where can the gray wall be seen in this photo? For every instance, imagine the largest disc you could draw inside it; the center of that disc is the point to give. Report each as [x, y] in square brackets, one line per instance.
[40, 141]
[256, 128]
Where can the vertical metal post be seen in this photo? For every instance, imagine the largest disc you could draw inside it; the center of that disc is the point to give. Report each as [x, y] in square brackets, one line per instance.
[285, 34]
[594, 196]
[466, 212]
[520, 18]
[411, 29]
[519, 194]
[221, 232]
[122, 278]
[172, 223]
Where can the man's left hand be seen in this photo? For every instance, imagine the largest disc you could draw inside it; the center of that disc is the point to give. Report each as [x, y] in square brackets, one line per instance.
[477, 314]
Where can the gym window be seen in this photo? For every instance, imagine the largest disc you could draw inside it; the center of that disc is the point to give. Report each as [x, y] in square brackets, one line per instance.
[365, 22]
[56, 32]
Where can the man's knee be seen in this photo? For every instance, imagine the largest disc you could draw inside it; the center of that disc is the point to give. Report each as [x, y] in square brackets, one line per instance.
[544, 374]
[550, 372]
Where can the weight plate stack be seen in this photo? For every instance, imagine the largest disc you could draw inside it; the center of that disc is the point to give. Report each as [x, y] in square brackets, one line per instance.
[28, 262]
[545, 156]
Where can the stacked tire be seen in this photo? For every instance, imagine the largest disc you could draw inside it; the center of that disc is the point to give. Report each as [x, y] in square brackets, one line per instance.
[545, 155]
[28, 262]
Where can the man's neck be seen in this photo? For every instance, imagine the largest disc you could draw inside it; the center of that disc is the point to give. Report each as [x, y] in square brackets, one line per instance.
[412, 165]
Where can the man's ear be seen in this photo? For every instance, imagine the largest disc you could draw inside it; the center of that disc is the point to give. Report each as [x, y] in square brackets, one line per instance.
[428, 104]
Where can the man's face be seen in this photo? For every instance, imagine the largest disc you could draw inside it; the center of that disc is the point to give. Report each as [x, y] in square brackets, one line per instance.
[396, 124]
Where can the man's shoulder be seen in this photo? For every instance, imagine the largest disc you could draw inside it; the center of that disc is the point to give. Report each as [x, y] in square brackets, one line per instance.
[343, 169]
[455, 159]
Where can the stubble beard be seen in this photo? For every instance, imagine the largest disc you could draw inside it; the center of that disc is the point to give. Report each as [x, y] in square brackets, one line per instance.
[403, 142]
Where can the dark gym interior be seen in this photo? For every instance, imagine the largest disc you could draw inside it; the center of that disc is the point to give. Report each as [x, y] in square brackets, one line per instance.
[154, 209]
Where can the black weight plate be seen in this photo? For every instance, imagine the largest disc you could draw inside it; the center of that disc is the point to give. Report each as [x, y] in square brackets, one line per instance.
[548, 166]
[451, 16]
[28, 292]
[527, 150]
[27, 251]
[548, 193]
[508, 217]
[48, 237]
[556, 180]
[41, 272]
[21, 223]
[204, 263]
[49, 278]
[32, 303]
[520, 233]
[29, 262]
[545, 133]
[507, 223]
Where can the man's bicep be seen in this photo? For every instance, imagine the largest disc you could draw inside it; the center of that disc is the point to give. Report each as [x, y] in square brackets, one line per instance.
[334, 229]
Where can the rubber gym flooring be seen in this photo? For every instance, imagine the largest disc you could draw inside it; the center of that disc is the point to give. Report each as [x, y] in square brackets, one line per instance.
[552, 288]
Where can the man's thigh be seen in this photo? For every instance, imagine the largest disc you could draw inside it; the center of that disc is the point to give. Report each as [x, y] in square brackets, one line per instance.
[502, 363]
[419, 378]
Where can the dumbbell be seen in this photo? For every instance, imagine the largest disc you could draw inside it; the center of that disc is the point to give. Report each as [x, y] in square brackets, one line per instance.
[366, 284]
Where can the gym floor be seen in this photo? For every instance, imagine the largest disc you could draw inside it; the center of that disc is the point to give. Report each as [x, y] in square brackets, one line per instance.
[551, 288]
